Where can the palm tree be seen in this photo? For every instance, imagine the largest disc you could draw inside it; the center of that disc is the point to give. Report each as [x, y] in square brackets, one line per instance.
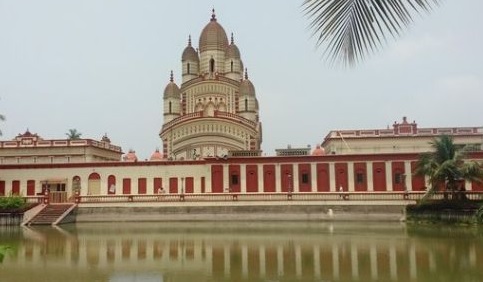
[352, 29]
[73, 134]
[446, 168]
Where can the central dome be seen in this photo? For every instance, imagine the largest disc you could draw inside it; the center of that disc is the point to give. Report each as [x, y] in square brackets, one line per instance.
[213, 36]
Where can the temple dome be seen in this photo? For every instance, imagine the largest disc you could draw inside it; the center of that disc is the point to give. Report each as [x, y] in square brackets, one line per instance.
[246, 87]
[213, 36]
[156, 156]
[172, 89]
[318, 151]
[131, 156]
[232, 51]
[189, 53]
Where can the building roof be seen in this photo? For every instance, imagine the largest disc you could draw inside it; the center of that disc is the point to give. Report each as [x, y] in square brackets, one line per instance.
[213, 36]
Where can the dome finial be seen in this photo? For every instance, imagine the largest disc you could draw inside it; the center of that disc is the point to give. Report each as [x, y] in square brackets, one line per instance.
[189, 40]
[213, 16]
[232, 41]
[246, 73]
[171, 77]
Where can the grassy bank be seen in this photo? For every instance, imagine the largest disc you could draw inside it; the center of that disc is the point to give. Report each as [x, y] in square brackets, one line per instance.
[446, 211]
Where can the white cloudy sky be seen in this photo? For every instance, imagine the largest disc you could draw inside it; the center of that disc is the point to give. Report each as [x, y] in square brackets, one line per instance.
[100, 66]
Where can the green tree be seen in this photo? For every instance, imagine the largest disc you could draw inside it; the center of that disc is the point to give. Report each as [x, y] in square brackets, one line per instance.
[446, 168]
[73, 134]
[352, 29]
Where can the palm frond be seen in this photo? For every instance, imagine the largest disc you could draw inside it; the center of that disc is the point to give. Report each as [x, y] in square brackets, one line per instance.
[353, 29]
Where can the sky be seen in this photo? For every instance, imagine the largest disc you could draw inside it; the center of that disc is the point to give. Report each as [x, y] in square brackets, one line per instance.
[100, 66]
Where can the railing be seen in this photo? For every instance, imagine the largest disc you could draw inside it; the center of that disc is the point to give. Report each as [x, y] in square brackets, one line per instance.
[268, 197]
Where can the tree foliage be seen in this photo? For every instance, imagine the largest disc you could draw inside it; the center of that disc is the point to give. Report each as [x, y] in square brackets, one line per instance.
[446, 168]
[352, 29]
[73, 134]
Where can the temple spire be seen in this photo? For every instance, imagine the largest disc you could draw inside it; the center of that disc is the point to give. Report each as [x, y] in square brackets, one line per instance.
[189, 40]
[171, 77]
[213, 16]
[232, 41]
[246, 73]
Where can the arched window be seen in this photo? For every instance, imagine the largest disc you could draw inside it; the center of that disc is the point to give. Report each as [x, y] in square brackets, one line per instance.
[212, 65]
[231, 66]
[170, 107]
[188, 68]
[246, 104]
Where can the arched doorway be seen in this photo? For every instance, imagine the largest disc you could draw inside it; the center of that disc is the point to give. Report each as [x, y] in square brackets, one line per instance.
[94, 184]
[111, 185]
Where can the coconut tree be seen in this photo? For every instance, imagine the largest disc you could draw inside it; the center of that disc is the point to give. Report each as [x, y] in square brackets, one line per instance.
[352, 29]
[446, 168]
[73, 134]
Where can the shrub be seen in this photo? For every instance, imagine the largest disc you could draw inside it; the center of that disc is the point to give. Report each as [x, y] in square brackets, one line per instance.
[13, 202]
[479, 215]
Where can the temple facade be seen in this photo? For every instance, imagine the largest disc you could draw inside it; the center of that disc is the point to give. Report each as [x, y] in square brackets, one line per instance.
[215, 110]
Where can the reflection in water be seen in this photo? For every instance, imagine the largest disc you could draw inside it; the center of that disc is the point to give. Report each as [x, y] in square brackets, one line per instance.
[242, 252]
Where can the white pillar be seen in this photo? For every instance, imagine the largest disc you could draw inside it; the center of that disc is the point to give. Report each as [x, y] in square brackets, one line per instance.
[243, 179]
[332, 177]
[260, 178]
[313, 177]
[389, 176]
[413, 271]
[278, 180]
[226, 177]
[350, 176]
[370, 177]
[408, 176]
[295, 178]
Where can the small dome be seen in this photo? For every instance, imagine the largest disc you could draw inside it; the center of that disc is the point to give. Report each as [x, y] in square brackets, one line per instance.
[130, 157]
[156, 156]
[232, 51]
[246, 86]
[318, 151]
[189, 53]
[213, 36]
[171, 90]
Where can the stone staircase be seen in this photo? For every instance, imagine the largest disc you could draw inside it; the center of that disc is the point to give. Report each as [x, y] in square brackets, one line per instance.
[51, 214]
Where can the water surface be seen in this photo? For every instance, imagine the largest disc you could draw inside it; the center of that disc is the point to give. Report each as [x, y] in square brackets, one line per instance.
[229, 251]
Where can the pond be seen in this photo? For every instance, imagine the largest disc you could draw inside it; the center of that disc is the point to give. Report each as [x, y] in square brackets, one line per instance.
[241, 251]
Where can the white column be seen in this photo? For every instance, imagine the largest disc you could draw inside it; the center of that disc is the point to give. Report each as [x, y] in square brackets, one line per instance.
[260, 178]
[350, 176]
[243, 178]
[389, 176]
[408, 175]
[295, 178]
[278, 180]
[370, 177]
[332, 177]
[313, 177]
[226, 177]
